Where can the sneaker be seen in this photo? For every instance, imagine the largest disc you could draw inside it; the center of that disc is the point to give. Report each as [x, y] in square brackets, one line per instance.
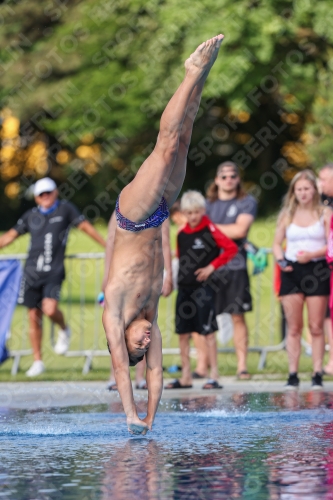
[62, 344]
[292, 382]
[317, 381]
[112, 385]
[37, 368]
[308, 350]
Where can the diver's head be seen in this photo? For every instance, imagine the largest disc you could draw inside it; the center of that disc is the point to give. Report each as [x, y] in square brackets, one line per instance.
[137, 338]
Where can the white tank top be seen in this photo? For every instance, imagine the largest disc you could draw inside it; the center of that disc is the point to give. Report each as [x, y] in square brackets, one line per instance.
[308, 239]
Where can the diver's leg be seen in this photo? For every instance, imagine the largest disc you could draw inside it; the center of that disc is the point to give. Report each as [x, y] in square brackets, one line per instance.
[177, 176]
[141, 197]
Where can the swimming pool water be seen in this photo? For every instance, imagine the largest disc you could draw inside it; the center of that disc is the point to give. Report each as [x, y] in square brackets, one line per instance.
[251, 446]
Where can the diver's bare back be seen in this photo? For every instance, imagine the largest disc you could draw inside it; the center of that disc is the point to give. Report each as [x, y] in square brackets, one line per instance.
[136, 274]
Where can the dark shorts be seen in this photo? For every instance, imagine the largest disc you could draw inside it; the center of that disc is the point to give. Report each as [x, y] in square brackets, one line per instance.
[233, 295]
[33, 291]
[311, 279]
[195, 310]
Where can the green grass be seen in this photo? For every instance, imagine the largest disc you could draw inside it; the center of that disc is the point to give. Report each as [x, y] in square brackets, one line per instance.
[84, 316]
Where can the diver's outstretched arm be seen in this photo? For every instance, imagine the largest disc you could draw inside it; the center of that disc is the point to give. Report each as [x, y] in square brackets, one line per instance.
[116, 340]
[154, 374]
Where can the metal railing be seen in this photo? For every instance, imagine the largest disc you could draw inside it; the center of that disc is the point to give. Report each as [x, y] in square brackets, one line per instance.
[84, 273]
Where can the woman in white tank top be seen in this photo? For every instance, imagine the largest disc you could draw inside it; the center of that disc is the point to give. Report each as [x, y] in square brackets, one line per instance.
[304, 224]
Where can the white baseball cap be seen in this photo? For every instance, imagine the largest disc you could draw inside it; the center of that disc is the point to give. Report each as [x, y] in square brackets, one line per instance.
[44, 185]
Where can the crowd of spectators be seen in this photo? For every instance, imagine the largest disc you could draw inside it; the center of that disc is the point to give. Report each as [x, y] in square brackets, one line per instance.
[209, 270]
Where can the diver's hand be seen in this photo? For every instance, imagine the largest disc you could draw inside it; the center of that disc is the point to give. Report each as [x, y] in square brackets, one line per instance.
[137, 426]
[149, 422]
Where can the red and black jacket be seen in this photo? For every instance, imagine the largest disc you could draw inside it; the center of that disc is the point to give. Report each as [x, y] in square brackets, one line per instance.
[200, 246]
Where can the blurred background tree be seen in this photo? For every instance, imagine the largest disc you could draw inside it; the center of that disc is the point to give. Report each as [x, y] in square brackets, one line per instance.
[83, 85]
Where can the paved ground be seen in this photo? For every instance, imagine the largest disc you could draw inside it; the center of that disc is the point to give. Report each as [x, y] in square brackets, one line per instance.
[34, 395]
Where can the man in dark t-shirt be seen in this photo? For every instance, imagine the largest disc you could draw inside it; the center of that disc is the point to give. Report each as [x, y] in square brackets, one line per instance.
[233, 212]
[48, 224]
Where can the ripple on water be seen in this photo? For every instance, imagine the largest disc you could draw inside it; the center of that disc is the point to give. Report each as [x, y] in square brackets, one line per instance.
[254, 448]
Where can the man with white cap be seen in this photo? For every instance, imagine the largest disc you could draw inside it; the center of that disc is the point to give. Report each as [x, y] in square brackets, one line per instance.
[48, 224]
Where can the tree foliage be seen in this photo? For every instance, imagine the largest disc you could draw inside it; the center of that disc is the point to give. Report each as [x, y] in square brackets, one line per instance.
[89, 80]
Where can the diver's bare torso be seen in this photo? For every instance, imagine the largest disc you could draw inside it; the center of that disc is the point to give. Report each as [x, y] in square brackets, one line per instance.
[136, 275]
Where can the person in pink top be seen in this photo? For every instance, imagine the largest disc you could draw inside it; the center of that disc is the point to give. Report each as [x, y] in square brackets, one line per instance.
[325, 185]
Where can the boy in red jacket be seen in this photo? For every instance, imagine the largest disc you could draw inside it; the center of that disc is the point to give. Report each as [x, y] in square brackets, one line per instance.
[199, 246]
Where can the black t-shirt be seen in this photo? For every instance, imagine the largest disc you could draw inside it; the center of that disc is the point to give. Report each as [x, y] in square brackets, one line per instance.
[195, 250]
[49, 234]
[198, 247]
[226, 212]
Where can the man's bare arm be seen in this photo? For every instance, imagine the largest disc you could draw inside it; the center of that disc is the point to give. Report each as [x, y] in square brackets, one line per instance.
[116, 340]
[8, 237]
[239, 229]
[167, 283]
[89, 229]
[109, 248]
[154, 374]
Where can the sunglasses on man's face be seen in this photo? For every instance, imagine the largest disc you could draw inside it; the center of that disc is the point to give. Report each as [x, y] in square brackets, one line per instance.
[224, 177]
[45, 192]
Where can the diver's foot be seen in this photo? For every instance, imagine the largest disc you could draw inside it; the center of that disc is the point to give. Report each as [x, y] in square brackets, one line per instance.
[204, 56]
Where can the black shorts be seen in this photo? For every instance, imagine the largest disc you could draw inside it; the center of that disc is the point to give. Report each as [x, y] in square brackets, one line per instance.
[233, 295]
[33, 291]
[311, 279]
[195, 310]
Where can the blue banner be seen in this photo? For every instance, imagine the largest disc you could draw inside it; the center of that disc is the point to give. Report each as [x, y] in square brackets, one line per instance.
[10, 278]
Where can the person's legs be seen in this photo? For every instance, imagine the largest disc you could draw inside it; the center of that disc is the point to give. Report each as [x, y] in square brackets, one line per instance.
[283, 324]
[35, 332]
[184, 344]
[212, 355]
[186, 378]
[241, 340]
[202, 354]
[140, 381]
[50, 309]
[293, 310]
[112, 384]
[141, 197]
[316, 315]
[329, 336]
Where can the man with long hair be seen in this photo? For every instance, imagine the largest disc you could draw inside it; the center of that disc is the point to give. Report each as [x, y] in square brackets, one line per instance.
[233, 212]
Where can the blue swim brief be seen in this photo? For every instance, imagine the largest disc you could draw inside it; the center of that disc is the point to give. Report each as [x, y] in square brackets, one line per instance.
[155, 220]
